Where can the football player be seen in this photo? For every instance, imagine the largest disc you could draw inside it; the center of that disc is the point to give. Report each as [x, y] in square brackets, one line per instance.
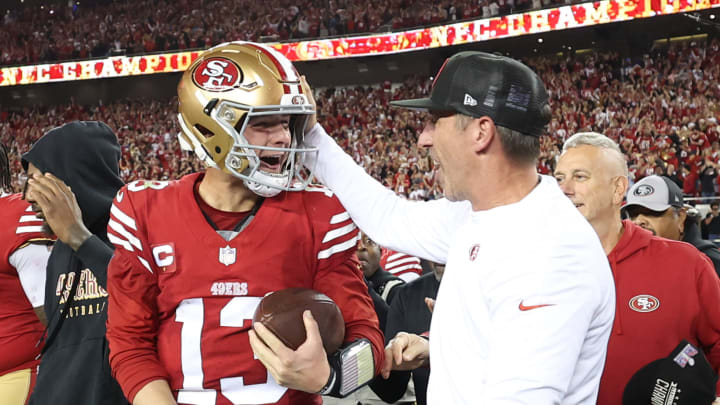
[195, 256]
[24, 253]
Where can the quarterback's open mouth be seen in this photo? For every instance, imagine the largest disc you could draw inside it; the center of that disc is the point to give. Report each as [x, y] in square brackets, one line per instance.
[272, 163]
[271, 160]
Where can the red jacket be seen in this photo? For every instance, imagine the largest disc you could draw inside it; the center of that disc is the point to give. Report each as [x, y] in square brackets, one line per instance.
[666, 291]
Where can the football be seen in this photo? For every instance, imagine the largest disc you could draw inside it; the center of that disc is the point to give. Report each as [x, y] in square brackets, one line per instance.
[281, 312]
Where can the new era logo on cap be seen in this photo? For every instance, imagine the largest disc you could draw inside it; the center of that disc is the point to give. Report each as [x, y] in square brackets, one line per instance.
[469, 100]
[478, 84]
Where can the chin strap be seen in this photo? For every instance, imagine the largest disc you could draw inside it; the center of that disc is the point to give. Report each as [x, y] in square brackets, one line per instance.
[350, 369]
[267, 185]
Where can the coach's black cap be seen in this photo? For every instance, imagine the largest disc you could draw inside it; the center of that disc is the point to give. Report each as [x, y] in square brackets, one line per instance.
[481, 84]
[683, 378]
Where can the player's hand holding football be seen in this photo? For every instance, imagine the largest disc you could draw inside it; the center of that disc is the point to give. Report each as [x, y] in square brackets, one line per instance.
[305, 369]
[59, 208]
[406, 351]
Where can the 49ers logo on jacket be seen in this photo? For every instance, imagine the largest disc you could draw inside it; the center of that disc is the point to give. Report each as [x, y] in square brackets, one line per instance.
[217, 74]
[644, 303]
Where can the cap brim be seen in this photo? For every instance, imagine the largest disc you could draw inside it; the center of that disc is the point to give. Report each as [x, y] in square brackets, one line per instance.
[658, 207]
[419, 104]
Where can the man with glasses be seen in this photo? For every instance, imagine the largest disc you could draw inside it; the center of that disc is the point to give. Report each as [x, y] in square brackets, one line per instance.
[666, 290]
[655, 203]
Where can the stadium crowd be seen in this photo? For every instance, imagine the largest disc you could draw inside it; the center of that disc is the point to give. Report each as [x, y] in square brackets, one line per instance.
[97, 28]
[663, 109]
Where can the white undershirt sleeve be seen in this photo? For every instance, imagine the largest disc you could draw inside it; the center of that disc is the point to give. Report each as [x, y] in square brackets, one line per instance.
[31, 264]
[417, 228]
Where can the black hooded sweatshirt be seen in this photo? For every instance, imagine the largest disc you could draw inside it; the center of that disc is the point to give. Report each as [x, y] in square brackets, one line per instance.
[74, 369]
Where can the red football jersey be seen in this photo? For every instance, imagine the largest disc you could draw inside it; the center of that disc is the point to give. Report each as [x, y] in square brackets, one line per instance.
[401, 265]
[20, 329]
[181, 297]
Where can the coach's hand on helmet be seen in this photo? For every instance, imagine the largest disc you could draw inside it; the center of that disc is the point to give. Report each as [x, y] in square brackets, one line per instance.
[406, 351]
[59, 208]
[312, 120]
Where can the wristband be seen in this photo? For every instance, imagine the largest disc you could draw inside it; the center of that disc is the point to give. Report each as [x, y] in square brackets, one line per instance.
[330, 383]
[353, 367]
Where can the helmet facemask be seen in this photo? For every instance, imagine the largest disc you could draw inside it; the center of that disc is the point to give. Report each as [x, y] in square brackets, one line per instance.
[243, 159]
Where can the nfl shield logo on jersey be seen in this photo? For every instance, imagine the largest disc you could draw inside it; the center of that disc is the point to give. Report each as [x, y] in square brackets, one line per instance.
[227, 255]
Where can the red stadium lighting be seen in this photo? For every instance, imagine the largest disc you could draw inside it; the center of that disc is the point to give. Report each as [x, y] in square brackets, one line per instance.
[539, 22]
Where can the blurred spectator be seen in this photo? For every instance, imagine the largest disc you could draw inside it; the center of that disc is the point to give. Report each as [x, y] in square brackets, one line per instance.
[97, 28]
[663, 118]
[379, 280]
[712, 221]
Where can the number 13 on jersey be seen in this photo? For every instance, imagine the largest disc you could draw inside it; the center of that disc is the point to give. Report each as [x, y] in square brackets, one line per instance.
[191, 313]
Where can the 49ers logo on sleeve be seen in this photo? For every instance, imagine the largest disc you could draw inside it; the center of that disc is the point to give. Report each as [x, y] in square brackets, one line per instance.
[644, 303]
[217, 74]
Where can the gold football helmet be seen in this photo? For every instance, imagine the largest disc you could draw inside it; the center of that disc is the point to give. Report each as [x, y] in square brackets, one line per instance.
[219, 94]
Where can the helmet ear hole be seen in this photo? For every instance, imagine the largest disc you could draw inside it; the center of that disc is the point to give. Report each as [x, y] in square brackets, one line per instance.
[206, 132]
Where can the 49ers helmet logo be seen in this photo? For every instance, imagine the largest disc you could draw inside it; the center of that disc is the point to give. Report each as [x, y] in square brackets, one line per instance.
[217, 74]
[644, 303]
